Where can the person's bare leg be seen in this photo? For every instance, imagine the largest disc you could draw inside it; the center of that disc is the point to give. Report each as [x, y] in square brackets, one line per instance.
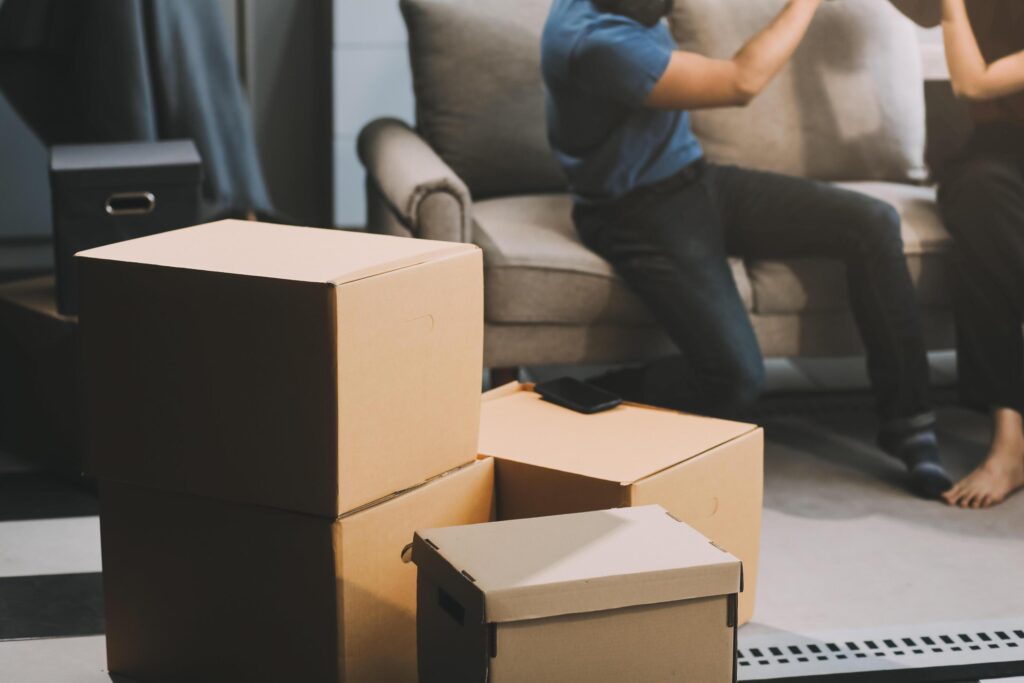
[1002, 473]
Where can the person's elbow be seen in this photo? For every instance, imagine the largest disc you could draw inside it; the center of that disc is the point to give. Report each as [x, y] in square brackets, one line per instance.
[970, 89]
[746, 88]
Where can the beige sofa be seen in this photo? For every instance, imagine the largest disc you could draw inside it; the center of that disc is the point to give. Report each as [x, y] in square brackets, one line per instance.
[477, 168]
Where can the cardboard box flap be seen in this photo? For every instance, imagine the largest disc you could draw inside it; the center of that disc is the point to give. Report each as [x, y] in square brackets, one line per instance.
[278, 252]
[459, 587]
[622, 445]
[587, 562]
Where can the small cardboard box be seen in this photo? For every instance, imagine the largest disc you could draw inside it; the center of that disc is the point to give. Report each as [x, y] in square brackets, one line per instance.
[629, 594]
[39, 376]
[550, 460]
[303, 369]
[206, 590]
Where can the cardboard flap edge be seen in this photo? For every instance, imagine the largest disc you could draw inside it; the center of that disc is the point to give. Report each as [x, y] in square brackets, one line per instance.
[576, 597]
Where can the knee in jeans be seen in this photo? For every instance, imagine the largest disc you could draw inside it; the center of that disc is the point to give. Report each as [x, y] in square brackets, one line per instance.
[741, 384]
[879, 228]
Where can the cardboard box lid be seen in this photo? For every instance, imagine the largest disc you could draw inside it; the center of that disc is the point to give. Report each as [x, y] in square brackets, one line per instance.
[585, 562]
[280, 252]
[622, 445]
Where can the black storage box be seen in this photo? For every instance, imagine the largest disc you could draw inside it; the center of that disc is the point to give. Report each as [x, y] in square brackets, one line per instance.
[106, 193]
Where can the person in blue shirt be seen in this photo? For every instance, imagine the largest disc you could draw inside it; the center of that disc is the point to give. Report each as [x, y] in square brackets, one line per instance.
[618, 92]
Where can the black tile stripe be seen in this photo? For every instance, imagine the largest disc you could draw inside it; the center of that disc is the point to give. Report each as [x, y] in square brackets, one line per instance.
[904, 648]
[25, 495]
[51, 606]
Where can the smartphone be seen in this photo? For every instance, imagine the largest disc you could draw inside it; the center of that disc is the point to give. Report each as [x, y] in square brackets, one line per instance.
[576, 395]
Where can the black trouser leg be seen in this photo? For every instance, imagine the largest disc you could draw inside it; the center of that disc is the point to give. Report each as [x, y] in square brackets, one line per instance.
[671, 246]
[771, 216]
[982, 202]
[668, 246]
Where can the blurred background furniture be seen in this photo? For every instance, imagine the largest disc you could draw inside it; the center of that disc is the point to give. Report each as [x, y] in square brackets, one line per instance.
[128, 70]
[477, 168]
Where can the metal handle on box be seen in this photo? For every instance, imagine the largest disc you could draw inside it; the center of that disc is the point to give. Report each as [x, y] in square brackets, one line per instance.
[130, 203]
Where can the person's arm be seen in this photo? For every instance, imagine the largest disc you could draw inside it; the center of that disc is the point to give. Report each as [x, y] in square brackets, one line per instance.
[692, 81]
[927, 13]
[972, 77]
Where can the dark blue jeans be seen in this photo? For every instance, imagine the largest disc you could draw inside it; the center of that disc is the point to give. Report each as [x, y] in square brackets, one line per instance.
[670, 243]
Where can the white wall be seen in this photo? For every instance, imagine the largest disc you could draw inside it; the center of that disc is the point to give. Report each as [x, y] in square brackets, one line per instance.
[371, 79]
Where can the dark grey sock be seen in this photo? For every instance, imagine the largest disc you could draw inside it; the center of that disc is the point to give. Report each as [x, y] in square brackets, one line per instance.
[919, 451]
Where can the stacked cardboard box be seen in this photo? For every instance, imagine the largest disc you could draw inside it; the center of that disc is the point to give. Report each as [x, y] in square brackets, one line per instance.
[272, 412]
[706, 472]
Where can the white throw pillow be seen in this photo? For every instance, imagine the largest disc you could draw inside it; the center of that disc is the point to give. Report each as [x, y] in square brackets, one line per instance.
[850, 106]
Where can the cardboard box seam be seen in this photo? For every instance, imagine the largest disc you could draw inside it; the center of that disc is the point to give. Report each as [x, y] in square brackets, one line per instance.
[438, 257]
[753, 430]
[345, 515]
[334, 467]
[409, 489]
[337, 281]
[85, 257]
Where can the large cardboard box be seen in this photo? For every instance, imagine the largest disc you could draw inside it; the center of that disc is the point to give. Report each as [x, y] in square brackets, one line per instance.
[207, 590]
[598, 597]
[39, 377]
[308, 370]
[550, 460]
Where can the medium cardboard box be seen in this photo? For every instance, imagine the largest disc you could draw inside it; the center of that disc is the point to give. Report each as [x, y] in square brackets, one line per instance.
[550, 460]
[207, 590]
[39, 376]
[598, 597]
[303, 369]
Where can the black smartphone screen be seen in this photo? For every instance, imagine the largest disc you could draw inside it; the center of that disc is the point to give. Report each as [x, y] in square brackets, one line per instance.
[576, 395]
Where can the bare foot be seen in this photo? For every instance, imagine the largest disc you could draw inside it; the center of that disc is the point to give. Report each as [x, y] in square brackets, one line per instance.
[991, 483]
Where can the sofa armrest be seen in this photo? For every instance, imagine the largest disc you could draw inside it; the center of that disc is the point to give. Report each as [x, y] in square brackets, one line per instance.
[421, 189]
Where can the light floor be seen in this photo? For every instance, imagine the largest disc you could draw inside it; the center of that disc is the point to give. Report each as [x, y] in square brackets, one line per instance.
[843, 545]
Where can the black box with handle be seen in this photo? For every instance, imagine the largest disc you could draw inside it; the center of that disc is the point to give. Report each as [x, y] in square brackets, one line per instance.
[106, 193]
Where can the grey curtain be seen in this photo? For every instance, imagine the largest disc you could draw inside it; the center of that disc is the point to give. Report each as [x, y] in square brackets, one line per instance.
[110, 70]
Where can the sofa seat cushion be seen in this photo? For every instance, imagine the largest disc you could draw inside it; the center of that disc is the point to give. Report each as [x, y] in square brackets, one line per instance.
[537, 271]
[815, 285]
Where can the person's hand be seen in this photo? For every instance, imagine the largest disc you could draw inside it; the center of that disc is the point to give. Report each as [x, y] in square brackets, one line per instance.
[810, 6]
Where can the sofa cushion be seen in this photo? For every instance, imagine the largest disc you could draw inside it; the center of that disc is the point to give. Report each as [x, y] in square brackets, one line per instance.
[850, 105]
[479, 93]
[537, 271]
[815, 285]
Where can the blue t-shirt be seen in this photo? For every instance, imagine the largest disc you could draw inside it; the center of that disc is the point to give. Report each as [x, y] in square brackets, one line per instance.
[598, 70]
